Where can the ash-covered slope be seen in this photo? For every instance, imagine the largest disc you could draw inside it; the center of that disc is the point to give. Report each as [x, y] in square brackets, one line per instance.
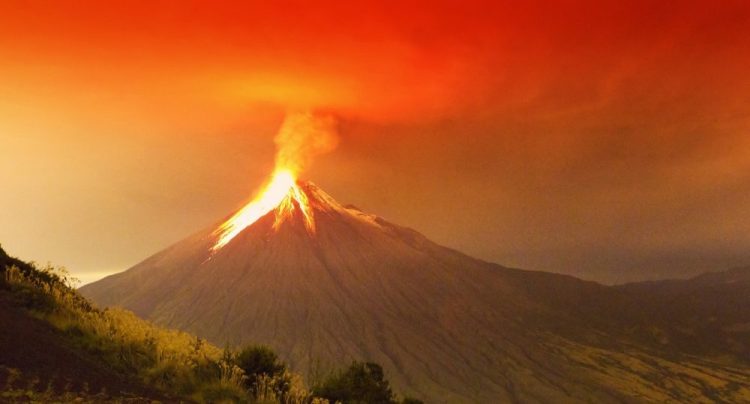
[446, 327]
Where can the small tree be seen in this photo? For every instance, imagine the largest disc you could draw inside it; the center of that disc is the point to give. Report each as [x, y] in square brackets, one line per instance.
[361, 383]
[261, 363]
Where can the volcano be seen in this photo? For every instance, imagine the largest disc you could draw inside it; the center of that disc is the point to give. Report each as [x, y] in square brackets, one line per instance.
[324, 284]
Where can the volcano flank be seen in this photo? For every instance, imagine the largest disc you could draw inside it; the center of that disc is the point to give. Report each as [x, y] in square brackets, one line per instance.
[446, 327]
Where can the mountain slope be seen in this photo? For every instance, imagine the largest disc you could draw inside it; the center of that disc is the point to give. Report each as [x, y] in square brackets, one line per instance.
[445, 326]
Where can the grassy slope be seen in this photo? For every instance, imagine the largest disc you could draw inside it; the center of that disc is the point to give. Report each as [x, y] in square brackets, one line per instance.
[36, 357]
[633, 374]
[39, 361]
[55, 346]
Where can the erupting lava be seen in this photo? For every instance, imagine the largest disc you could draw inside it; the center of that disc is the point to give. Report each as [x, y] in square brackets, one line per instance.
[301, 137]
[282, 191]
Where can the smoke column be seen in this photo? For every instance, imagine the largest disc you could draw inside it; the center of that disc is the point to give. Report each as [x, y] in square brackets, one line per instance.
[302, 137]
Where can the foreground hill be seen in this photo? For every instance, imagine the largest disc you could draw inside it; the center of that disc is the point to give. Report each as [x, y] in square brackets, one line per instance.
[445, 326]
[55, 346]
[39, 361]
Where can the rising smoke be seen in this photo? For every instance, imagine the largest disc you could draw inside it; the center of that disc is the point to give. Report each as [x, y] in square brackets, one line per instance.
[302, 137]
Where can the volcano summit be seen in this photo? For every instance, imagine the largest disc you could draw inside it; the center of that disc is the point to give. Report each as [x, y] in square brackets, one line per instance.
[324, 284]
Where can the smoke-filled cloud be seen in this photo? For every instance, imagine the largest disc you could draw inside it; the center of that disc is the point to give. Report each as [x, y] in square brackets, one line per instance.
[381, 61]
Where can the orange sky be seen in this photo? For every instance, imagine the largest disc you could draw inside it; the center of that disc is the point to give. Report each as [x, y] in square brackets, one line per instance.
[610, 140]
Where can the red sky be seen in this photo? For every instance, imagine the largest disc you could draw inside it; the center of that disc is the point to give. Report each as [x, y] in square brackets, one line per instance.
[604, 139]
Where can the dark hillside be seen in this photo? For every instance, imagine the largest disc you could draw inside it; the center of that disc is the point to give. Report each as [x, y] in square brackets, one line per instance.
[707, 315]
[44, 356]
[41, 362]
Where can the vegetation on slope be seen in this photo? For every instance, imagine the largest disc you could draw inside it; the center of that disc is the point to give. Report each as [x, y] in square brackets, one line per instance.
[137, 359]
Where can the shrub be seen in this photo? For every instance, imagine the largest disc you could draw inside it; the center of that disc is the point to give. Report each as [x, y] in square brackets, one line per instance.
[227, 389]
[264, 370]
[258, 360]
[362, 382]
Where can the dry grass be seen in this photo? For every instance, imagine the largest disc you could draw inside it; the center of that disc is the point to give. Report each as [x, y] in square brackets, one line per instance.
[169, 360]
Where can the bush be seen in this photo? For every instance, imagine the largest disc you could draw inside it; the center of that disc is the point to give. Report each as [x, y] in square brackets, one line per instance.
[362, 382]
[258, 360]
[264, 370]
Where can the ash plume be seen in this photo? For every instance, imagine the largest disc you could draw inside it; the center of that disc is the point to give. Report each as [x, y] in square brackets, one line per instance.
[302, 137]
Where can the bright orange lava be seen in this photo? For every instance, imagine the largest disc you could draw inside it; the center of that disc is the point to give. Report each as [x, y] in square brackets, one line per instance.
[281, 192]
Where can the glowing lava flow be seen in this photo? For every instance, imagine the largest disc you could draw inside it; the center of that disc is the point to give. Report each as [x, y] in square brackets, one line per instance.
[302, 136]
[281, 192]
